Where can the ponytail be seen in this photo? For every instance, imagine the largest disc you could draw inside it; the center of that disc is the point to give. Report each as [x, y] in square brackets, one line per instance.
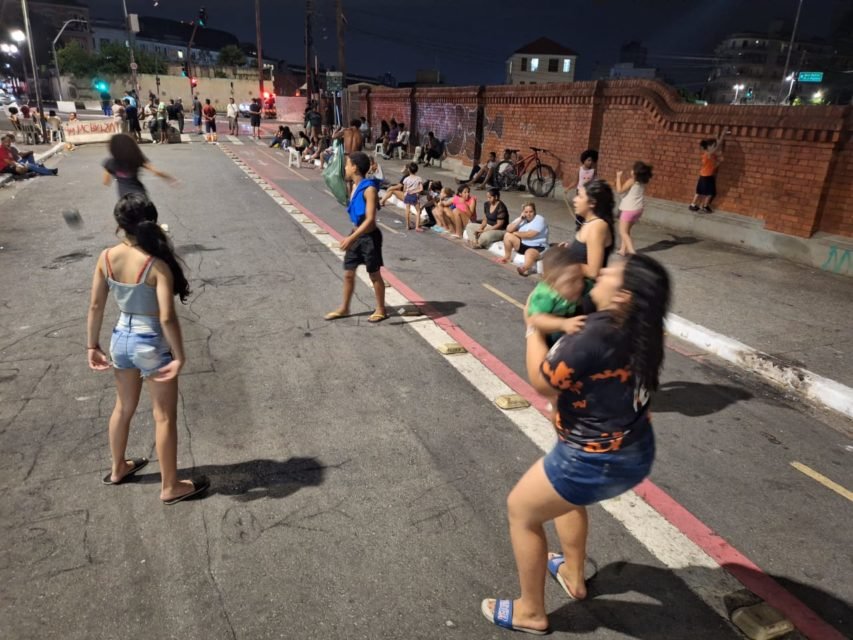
[136, 215]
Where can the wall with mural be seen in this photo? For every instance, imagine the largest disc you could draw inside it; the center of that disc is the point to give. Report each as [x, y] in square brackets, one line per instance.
[792, 168]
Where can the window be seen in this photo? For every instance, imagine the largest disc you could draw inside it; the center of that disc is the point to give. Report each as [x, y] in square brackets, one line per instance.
[522, 82]
[553, 65]
[567, 65]
[524, 64]
[534, 64]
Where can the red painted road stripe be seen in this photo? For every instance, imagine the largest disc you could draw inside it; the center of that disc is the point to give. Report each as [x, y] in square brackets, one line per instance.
[730, 559]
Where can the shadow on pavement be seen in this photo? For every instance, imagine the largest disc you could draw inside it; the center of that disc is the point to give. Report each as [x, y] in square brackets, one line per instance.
[663, 245]
[661, 610]
[255, 479]
[694, 399]
[441, 307]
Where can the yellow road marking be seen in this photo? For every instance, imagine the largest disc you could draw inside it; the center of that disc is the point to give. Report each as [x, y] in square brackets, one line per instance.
[826, 482]
[501, 294]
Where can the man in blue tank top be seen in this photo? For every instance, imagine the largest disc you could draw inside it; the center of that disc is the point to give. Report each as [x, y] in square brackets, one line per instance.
[364, 244]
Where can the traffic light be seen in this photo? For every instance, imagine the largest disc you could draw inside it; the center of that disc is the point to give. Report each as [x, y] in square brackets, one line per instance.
[266, 95]
[202, 17]
[749, 93]
[194, 82]
[100, 85]
[184, 70]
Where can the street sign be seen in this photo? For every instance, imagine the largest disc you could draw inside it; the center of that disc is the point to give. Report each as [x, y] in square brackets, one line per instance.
[810, 76]
[334, 81]
[134, 66]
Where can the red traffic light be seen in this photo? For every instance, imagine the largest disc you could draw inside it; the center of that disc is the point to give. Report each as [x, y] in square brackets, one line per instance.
[266, 95]
[194, 82]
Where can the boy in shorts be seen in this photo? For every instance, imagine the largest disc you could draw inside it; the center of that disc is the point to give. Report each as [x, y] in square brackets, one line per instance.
[364, 243]
[553, 307]
[413, 185]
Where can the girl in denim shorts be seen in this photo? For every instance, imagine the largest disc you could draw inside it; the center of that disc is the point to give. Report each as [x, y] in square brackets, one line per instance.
[144, 275]
[599, 382]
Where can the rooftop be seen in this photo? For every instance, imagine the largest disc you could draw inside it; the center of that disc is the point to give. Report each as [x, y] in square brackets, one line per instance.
[546, 46]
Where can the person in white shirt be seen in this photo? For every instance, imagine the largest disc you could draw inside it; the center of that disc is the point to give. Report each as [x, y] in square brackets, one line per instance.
[631, 207]
[232, 113]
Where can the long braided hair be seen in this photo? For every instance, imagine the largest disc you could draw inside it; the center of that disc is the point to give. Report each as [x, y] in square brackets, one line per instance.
[136, 215]
[648, 283]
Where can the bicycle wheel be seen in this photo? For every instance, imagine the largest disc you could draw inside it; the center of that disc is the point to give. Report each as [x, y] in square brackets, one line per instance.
[541, 180]
[505, 176]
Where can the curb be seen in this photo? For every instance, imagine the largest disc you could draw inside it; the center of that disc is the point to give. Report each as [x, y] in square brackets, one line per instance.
[39, 158]
[823, 391]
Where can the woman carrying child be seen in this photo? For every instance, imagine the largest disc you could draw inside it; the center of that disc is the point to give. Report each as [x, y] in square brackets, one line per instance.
[631, 207]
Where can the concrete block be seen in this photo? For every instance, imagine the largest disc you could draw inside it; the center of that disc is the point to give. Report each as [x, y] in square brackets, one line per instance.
[511, 401]
[761, 622]
[451, 348]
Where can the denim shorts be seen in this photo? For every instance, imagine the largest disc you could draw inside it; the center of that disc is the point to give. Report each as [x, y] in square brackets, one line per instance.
[138, 343]
[584, 478]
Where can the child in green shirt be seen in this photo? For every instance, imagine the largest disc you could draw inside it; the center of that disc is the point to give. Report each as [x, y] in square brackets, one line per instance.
[553, 305]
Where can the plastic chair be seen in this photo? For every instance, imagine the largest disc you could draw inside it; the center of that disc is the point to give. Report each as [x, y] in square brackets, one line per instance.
[379, 149]
[294, 156]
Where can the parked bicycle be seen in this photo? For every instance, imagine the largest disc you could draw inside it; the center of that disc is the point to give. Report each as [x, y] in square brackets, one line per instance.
[541, 178]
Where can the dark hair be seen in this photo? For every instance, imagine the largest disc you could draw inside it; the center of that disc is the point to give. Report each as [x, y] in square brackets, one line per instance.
[431, 134]
[136, 215]
[401, 125]
[601, 193]
[648, 283]
[126, 152]
[707, 142]
[435, 185]
[462, 188]
[13, 110]
[355, 122]
[589, 153]
[642, 172]
[413, 167]
[287, 132]
[207, 101]
[393, 122]
[493, 153]
[555, 259]
[52, 113]
[361, 161]
[494, 192]
[383, 126]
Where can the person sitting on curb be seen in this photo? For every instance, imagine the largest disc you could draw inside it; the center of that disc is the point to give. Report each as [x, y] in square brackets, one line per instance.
[18, 160]
[395, 189]
[433, 149]
[527, 236]
[493, 226]
[483, 176]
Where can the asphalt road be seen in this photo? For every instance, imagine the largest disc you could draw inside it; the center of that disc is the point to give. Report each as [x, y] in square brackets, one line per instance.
[359, 481]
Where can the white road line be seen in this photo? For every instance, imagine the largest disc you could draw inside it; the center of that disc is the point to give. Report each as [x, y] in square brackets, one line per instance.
[234, 140]
[701, 573]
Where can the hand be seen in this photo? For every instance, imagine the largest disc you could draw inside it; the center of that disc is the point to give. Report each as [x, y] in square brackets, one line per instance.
[619, 175]
[98, 360]
[169, 372]
[574, 325]
[346, 243]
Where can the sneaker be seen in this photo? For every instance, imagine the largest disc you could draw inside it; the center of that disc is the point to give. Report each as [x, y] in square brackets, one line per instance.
[693, 207]
[707, 210]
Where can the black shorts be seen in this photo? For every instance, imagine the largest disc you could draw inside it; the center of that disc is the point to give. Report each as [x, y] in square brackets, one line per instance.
[707, 186]
[524, 248]
[210, 126]
[366, 250]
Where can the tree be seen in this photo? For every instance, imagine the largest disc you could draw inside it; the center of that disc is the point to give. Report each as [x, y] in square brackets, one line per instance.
[114, 59]
[76, 61]
[231, 56]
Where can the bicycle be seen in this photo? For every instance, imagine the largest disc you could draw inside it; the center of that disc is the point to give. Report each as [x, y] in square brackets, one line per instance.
[541, 178]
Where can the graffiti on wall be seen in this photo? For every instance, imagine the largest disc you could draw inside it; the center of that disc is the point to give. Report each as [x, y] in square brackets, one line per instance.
[838, 260]
[456, 125]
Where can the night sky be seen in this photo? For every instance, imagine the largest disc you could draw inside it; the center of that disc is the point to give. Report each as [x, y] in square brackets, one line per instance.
[469, 40]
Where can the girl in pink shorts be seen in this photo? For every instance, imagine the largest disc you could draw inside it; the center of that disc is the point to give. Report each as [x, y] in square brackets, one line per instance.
[631, 207]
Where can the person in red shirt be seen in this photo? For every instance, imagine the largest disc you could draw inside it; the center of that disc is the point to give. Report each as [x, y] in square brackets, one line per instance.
[208, 116]
[7, 159]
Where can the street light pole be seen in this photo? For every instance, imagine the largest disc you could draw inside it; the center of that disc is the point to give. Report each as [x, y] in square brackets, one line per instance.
[53, 48]
[791, 46]
[130, 45]
[29, 32]
[260, 54]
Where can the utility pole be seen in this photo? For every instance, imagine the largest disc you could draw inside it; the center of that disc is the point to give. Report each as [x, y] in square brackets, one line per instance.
[190, 60]
[791, 46]
[130, 44]
[309, 46]
[342, 59]
[260, 53]
[32, 49]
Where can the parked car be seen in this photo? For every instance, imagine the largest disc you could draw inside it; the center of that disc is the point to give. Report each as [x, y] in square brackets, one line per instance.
[243, 108]
[6, 99]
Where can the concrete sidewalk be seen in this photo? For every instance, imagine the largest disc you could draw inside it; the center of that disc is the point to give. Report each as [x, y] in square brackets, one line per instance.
[798, 315]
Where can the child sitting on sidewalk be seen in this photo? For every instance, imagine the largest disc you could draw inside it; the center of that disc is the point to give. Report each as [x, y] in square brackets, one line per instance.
[553, 306]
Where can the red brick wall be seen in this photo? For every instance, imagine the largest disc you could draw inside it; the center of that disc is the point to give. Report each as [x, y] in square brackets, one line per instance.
[790, 167]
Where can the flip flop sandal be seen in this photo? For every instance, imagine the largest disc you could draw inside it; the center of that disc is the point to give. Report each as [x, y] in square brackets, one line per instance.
[200, 486]
[554, 564]
[335, 315]
[137, 464]
[377, 317]
[523, 272]
[502, 617]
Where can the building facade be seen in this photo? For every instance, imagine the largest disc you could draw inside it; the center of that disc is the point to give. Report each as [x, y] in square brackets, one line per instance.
[542, 61]
[756, 61]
